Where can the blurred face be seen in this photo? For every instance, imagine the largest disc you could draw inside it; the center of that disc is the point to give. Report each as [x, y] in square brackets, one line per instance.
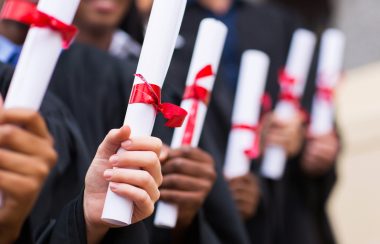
[101, 14]
[216, 6]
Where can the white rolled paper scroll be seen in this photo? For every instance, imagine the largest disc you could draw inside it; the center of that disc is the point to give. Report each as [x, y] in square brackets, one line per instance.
[253, 74]
[329, 72]
[297, 66]
[157, 51]
[38, 58]
[207, 51]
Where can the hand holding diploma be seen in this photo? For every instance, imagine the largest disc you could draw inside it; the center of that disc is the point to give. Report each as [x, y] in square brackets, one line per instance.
[145, 100]
[200, 81]
[26, 157]
[51, 31]
[292, 84]
[322, 145]
[133, 174]
[243, 143]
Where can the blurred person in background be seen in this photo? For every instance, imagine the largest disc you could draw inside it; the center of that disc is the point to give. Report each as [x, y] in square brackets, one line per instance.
[316, 15]
[274, 212]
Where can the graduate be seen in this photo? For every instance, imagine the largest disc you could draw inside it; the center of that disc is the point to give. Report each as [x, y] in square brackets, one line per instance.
[99, 23]
[187, 185]
[280, 217]
[55, 220]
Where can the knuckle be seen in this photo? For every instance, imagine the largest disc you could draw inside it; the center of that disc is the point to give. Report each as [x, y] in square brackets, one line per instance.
[7, 131]
[177, 164]
[157, 143]
[152, 158]
[145, 178]
[42, 170]
[149, 209]
[143, 197]
[52, 157]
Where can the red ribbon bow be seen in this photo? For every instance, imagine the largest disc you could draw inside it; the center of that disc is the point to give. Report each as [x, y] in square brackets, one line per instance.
[151, 94]
[27, 13]
[254, 151]
[287, 83]
[199, 94]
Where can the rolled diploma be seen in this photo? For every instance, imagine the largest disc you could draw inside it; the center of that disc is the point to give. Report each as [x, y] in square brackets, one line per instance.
[297, 66]
[329, 72]
[208, 50]
[161, 35]
[252, 78]
[38, 58]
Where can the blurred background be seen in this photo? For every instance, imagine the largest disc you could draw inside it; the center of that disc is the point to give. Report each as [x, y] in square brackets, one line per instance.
[354, 205]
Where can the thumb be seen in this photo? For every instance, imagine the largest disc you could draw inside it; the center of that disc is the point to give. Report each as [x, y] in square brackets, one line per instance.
[112, 142]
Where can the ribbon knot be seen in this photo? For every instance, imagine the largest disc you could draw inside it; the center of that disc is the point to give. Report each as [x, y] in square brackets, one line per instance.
[254, 151]
[198, 94]
[26, 12]
[151, 94]
[287, 83]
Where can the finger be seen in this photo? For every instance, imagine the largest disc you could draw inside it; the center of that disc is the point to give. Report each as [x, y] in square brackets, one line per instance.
[184, 183]
[245, 196]
[112, 142]
[164, 154]
[28, 119]
[23, 165]
[146, 160]
[19, 140]
[138, 196]
[181, 198]
[192, 153]
[143, 144]
[243, 190]
[188, 167]
[17, 186]
[138, 178]
[276, 139]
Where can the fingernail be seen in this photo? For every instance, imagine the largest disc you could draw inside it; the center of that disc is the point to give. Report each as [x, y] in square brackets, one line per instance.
[126, 144]
[108, 174]
[114, 159]
[114, 186]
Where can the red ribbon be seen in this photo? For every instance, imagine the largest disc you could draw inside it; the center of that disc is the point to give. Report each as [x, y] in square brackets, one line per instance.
[287, 83]
[254, 151]
[26, 12]
[151, 94]
[325, 93]
[198, 94]
[266, 102]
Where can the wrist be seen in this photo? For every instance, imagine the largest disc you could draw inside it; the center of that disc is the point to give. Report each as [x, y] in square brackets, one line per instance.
[95, 230]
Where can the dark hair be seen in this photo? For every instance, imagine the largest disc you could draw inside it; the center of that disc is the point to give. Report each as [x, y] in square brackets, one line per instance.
[133, 23]
[316, 14]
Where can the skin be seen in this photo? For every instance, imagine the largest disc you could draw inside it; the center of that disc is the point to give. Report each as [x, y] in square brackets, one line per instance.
[98, 19]
[26, 157]
[287, 134]
[218, 7]
[246, 194]
[189, 175]
[320, 154]
[139, 184]
[144, 7]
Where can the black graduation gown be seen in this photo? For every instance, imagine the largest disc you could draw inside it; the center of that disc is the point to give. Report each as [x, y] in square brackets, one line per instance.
[268, 29]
